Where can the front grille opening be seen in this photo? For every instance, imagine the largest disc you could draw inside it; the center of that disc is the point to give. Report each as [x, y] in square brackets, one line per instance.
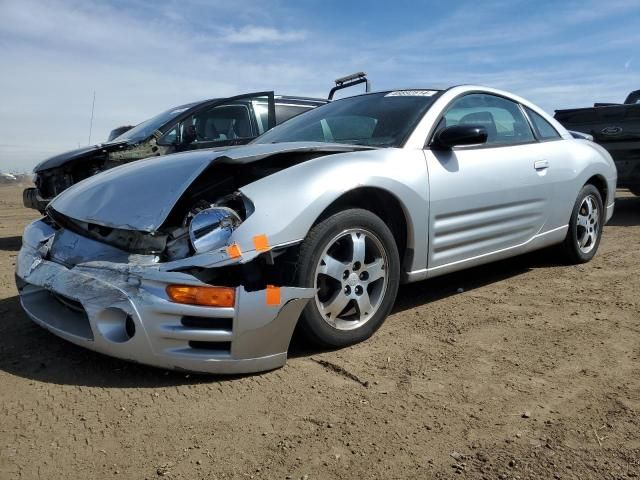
[216, 346]
[70, 303]
[208, 323]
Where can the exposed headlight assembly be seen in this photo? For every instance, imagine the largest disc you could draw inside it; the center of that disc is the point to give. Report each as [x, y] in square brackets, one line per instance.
[211, 228]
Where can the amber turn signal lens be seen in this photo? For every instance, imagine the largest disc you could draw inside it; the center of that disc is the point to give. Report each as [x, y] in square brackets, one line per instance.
[205, 296]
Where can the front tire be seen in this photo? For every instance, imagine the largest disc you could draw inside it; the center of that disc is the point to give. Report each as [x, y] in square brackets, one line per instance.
[585, 226]
[351, 259]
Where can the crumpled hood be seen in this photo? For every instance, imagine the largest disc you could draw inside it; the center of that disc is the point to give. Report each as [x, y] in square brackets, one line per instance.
[78, 153]
[140, 195]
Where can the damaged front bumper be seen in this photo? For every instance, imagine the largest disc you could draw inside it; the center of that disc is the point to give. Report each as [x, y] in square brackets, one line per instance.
[122, 310]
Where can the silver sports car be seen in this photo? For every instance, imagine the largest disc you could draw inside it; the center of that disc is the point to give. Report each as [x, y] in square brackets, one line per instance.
[208, 260]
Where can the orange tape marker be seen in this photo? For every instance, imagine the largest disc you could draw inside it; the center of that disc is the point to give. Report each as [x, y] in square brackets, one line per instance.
[234, 251]
[273, 295]
[261, 243]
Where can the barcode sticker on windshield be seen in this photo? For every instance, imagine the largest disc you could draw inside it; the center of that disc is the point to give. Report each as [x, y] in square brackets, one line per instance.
[411, 93]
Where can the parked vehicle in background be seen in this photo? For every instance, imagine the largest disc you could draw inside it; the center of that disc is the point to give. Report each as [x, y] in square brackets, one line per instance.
[211, 123]
[7, 178]
[617, 128]
[208, 260]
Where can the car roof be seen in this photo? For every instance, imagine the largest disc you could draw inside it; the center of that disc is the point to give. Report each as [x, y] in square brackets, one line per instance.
[377, 92]
[289, 99]
[300, 100]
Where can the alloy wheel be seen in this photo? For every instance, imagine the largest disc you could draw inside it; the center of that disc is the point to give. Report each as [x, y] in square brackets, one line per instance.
[351, 279]
[588, 224]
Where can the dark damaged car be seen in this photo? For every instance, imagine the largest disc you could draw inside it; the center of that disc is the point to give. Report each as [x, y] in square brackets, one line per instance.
[211, 123]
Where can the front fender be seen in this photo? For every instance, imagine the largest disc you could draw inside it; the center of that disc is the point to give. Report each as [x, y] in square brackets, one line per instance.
[288, 203]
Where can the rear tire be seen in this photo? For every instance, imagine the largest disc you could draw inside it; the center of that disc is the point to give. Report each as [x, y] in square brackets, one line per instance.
[352, 261]
[585, 227]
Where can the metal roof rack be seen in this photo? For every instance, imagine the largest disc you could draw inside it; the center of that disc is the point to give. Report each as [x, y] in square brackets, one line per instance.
[350, 81]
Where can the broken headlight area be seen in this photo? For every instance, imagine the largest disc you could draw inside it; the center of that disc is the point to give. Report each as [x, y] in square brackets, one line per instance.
[132, 241]
[207, 226]
[52, 183]
[204, 217]
[212, 227]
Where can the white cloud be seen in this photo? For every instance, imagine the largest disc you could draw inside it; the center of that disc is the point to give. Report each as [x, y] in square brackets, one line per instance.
[256, 34]
[143, 57]
[58, 53]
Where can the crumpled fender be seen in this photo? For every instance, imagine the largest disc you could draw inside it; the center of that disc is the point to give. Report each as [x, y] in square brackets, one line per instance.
[305, 190]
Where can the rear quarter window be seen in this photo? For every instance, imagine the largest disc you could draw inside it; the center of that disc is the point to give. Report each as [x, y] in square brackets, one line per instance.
[544, 130]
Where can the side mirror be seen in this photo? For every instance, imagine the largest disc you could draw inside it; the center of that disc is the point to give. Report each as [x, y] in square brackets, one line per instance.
[116, 132]
[458, 135]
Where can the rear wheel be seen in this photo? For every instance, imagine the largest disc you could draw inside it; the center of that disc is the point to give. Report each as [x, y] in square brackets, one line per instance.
[351, 260]
[585, 226]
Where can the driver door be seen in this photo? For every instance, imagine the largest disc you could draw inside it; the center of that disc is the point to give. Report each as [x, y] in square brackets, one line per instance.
[218, 123]
[488, 198]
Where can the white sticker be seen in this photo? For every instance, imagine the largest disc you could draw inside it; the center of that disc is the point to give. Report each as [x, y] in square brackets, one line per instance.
[411, 93]
[178, 110]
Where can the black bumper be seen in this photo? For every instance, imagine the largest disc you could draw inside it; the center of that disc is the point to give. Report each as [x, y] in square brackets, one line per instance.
[31, 199]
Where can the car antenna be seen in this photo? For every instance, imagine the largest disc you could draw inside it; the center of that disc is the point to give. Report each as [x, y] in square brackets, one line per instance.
[93, 105]
[350, 81]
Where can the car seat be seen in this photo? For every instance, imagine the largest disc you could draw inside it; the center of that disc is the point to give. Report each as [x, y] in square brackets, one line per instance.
[241, 127]
[210, 130]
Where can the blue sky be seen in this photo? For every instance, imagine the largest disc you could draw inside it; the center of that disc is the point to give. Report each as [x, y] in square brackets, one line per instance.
[143, 57]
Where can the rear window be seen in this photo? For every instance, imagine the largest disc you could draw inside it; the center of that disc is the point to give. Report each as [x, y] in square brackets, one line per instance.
[544, 129]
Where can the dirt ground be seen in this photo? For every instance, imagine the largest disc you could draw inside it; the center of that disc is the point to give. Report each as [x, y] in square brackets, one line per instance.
[532, 370]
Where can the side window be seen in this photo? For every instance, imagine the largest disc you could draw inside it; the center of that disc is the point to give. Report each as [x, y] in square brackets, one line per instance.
[218, 124]
[225, 122]
[503, 119]
[544, 129]
[170, 137]
[285, 112]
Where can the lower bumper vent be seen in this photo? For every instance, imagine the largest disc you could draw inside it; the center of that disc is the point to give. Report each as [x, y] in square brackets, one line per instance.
[223, 347]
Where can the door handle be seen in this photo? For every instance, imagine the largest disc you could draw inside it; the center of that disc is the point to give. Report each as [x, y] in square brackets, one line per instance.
[541, 164]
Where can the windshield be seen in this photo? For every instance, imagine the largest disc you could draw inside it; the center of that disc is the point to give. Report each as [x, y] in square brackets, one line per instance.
[146, 128]
[379, 119]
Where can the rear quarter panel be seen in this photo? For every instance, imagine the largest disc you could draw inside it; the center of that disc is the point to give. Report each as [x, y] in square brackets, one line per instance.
[578, 161]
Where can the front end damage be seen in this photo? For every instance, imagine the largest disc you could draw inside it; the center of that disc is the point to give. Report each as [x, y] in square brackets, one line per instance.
[117, 304]
[104, 285]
